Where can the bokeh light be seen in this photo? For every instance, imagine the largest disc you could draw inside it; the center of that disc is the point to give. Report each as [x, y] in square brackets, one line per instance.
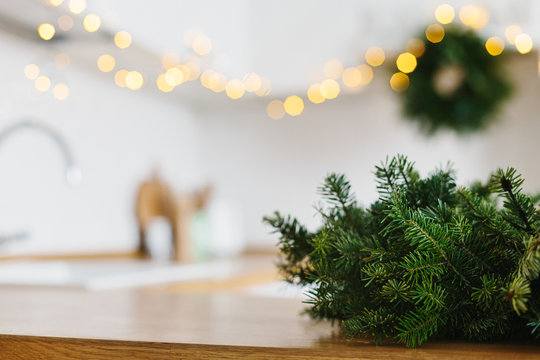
[314, 94]
[406, 62]
[333, 69]
[494, 45]
[222, 83]
[61, 91]
[162, 84]
[46, 31]
[62, 60]
[474, 16]
[252, 82]
[330, 89]
[294, 105]
[366, 74]
[120, 78]
[435, 33]
[399, 82]
[169, 60]
[235, 89]
[511, 33]
[445, 14]
[122, 39]
[65, 22]
[201, 45]
[55, 3]
[524, 43]
[77, 6]
[31, 71]
[42, 83]
[275, 109]
[134, 80]
[416, 46]
[106, 63]
[174, 76]
[375, 56]
[265, 89]
[352, 77]
[91, 22]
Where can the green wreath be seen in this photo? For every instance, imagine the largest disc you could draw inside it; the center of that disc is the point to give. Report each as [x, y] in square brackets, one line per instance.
[456, 84]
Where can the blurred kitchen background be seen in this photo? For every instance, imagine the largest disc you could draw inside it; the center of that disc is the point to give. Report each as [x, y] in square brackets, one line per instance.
[187, 96]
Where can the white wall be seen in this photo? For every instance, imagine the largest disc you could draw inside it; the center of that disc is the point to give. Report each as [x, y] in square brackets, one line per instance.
[118, 137]
[265, 165]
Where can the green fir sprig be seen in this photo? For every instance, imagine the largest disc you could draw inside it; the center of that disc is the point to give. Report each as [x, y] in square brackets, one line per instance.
[427, 260]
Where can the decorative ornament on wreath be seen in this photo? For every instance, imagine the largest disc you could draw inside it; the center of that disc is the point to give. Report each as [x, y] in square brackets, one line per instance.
[457, 84]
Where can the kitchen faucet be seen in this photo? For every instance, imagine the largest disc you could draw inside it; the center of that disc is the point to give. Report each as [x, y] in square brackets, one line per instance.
[73, 174]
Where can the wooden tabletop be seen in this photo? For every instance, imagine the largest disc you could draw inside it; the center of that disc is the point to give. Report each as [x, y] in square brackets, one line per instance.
[141, 324]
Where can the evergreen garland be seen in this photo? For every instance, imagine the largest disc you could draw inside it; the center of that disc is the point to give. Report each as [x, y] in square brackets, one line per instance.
[457, 85]
[428, 259]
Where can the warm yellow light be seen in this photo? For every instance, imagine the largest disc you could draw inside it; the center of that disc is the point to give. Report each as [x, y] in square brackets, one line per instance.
[162, 84]
[209, 79]
[106, 63]
[31, 71]
[235, 89]
[366, 74]
[61, 91]
[445, 14]
[77, 6]
[222, 83]
[435, 33]
[314, 94]
[524, 43]
[186, 72]
[201, 45]
[62, 60]
[46, 31]
[55, 2]
[406, 62]
[252, 82]
[511, 33]
[120, 77]
[174, 76]
[495, 45]
[134, 80]
[91, 22]
[65, 22]
[122, 39]
[333, 69]
[416, 47]
[192, 70]
[275, 109]
[474, 16]
[330, 89]
[42, 83]
[265, 89]
[352, 77]
[293, 105]
[399, 82]
[375, 56]
[169, 60]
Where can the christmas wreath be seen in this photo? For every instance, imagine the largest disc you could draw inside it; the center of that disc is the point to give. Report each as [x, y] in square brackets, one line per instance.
[428, 259]
[457, 84]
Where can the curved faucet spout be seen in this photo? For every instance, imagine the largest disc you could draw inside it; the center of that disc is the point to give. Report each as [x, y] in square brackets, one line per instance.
[73, 174]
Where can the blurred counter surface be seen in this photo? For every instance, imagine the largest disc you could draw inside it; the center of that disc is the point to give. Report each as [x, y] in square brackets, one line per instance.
[231, 317]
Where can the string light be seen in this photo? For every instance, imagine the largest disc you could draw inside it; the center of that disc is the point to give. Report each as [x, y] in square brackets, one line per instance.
[174, 76]
[375, 56]
[330, 89]
[474, 16]
[333, 69]
[399, 82]
[162, 84]
[252, 82]
[265, 89]
[406, 62]
[435, 33]
[235, 89]
[106, 63]
[42, 83]
[445, 14]
[293, 105]
[134, 80]
[352, 77]
[122, 39]
[46, 31]
[91, 22]
[511, 33]
[416, 47]
[201, 45]
[169, 60]
[31, 71]
[495, 45]
[77, 6]
[55, 3]
[366, 74]
[275, 109]
[61, 91]
[221, 85]
[524, 43]
[120, 78]
[314, 94]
